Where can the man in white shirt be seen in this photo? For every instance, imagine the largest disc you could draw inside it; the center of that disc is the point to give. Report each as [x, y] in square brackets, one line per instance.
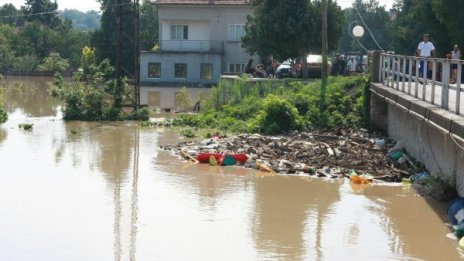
[425, 50]
[352, 66]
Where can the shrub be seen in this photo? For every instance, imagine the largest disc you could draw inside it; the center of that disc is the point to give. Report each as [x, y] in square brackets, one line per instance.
[277, 116]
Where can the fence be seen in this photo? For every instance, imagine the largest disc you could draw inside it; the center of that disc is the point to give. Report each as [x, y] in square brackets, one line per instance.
[438, 82]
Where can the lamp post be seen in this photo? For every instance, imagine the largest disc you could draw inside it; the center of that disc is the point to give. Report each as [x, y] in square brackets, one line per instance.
[358, 31]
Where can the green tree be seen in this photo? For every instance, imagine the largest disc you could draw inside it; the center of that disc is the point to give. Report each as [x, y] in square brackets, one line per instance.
[376, 18]
[282, 29]
[54, 63]
[82, 21]
[416, 18]
[149, 25]
[114, 39]
[6, 51]
[42, 10]
[9, 14]
[334, 25]
[445, 12]
[289, 29]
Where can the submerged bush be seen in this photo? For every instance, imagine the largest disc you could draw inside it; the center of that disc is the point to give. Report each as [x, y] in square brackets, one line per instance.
[95, 96]
[3, 116]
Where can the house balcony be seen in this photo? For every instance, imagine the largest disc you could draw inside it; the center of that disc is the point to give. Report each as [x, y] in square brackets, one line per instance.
[202, 46]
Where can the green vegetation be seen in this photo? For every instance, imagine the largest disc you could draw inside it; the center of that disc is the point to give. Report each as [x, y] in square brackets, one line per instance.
[271, 109]
[82, 21]
[296, 22]
[3, 116]
[94, 94]
[107, 40]
[26, 126]
[37, 30]
[401, 28]
[31, 34]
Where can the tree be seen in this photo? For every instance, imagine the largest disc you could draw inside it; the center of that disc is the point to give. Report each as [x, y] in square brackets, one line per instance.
[334, 25]
[149, 25]
[289, 29]
[9, 14]
[282, 29]
[43, 11]
[82, 21]
[417, 18]
[115, 38]
[445, 12]
[375, 17]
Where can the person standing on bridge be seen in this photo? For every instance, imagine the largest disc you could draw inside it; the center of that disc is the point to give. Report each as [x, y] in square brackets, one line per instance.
[425, 49]
[455, 55]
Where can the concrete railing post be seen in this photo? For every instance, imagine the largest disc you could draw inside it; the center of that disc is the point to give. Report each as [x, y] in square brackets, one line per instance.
[445, 89]
[375, 65]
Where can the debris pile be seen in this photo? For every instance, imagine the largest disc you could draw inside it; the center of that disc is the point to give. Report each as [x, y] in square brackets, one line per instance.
[328, 153]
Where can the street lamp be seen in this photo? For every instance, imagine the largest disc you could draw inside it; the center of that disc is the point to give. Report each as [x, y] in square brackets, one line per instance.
[358, 31]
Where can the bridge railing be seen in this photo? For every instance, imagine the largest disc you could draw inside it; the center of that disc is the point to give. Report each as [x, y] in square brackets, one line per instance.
[433, 83]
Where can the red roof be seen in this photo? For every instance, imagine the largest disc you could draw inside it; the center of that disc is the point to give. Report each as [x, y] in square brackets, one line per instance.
[200, 2]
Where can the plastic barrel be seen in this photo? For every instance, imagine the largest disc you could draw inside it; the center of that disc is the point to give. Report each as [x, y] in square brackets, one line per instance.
[456, 211]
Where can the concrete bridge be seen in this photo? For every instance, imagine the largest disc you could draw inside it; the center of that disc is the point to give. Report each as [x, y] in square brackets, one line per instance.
[424, 111]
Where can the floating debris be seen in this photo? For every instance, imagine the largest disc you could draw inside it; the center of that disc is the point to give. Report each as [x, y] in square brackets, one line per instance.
[327, 153]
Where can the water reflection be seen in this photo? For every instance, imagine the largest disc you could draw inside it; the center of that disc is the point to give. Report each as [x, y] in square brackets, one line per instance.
[3, 135]
[114, 151]
[282, 214]
[30, 95]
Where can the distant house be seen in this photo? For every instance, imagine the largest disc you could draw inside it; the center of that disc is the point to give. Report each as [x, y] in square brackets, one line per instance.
[199, 40]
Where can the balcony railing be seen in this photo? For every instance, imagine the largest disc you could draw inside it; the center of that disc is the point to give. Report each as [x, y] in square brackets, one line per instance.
[191, 46]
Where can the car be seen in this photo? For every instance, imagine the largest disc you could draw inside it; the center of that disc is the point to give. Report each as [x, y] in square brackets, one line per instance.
[284, 70]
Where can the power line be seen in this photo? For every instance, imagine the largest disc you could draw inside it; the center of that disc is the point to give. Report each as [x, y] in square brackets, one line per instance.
[369, 30]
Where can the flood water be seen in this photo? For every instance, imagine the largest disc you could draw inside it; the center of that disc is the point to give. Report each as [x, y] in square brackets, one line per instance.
[105, 191]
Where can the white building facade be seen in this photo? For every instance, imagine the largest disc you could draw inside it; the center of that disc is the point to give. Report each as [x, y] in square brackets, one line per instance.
[199, 41]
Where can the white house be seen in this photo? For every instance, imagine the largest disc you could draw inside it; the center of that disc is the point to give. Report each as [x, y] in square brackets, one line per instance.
[199, 40]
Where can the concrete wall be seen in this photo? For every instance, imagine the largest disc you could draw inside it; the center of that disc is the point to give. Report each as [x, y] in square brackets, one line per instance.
[425, 130]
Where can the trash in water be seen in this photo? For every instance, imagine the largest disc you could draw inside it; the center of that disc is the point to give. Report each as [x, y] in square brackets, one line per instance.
[456, 211]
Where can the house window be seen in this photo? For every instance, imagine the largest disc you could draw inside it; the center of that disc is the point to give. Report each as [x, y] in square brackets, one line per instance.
[179, 32]
[154, 70]
[236, 32]
[180, 70]
[236, 67]
[206, 72]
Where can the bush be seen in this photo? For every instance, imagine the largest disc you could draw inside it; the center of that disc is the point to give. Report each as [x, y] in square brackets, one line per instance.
[253, 107]
[3, 116]
[278, 116]
[95, 96]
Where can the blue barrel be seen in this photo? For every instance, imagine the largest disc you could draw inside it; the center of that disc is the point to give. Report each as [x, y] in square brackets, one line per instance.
[456, 211]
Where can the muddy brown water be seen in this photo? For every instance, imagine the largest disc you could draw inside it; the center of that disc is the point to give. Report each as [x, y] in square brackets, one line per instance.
[105, 191]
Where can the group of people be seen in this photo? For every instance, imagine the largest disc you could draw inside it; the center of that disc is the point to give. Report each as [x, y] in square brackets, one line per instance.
[341, 67]
[261, 71]
[426, 49]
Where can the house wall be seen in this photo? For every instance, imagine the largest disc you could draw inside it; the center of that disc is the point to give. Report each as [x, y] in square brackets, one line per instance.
[210, 22]
[164, 97]
[168, 59]
[198, 30]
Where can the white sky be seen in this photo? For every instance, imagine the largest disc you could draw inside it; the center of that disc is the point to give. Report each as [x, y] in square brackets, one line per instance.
[85, 5]
[82, 5]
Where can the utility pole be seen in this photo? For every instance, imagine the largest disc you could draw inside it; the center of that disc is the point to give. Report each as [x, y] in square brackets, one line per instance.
[324, 57]
[136, 55]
